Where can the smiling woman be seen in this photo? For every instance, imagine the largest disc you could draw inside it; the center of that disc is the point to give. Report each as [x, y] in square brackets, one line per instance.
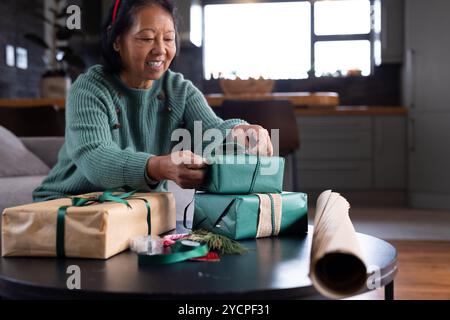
[120, 116]
[141, 43]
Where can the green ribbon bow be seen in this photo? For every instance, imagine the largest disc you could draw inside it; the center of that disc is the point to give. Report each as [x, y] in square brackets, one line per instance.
[106, 196]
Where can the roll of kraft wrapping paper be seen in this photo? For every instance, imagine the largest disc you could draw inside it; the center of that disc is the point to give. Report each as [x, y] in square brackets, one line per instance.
[337, 267]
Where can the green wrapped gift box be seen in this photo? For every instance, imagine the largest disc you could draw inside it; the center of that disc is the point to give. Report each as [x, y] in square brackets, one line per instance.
[244, 174]
[253, 215]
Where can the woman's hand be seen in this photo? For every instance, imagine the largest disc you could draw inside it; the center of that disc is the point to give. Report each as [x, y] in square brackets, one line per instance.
[185, 168]
[255, 138]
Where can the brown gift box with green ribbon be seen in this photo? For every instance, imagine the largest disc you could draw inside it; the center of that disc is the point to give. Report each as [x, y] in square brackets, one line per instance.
[95, 225]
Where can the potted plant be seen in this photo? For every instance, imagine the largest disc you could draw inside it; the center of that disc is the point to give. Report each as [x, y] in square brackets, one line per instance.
[60, 57]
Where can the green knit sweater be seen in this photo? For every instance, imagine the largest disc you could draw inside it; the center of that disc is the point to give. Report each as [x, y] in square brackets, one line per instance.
[113, 130]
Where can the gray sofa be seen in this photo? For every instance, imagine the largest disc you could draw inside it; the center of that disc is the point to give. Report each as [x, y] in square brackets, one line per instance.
[18, 190]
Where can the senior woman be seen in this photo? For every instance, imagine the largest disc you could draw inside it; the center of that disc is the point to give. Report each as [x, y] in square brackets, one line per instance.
[120, 115]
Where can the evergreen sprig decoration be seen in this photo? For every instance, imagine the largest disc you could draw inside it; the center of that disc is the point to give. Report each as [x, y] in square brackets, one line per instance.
[217, 242]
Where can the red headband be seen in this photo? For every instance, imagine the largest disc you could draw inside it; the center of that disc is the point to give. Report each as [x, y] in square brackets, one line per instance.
[116, 8]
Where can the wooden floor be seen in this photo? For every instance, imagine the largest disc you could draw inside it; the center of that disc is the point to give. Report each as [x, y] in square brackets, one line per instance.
[424, 271]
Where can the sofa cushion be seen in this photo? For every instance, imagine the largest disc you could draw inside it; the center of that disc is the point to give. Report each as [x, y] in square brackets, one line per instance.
[45, 148]
[18, 190]
[16, 160]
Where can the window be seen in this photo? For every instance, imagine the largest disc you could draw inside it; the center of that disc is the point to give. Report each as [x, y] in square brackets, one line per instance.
[342, 17]
[257, 40]
[287, 40]
[340, 57]
[341, 38]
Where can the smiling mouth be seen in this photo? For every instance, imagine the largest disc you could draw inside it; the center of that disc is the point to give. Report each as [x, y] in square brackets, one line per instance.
[154, 64]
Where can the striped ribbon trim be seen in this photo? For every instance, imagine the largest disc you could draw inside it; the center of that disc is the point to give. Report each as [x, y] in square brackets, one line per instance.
[270, 214]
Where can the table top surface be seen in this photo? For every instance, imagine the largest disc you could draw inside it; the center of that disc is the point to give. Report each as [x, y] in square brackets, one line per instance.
[274, 268]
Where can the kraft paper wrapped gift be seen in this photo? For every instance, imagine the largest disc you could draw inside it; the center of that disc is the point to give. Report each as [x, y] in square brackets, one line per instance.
[253, 215]
[95, 230]
[244, 174]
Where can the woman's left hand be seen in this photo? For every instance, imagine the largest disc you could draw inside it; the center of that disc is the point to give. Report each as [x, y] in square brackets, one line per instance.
[257, 139]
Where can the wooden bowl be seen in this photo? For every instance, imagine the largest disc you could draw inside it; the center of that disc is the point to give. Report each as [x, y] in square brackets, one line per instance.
[250, 86]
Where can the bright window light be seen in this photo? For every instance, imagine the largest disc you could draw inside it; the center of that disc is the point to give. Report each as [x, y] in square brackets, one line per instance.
[342, 17]
[269, 40]
[341, 56]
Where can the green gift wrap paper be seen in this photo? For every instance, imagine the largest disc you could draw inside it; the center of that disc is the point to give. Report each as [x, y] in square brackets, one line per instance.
[252, 215]
[244, 174]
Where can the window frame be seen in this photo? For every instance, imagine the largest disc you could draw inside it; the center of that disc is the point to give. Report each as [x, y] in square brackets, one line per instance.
[316, 38]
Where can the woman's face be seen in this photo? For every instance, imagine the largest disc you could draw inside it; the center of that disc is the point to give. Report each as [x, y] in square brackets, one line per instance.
[148, 48]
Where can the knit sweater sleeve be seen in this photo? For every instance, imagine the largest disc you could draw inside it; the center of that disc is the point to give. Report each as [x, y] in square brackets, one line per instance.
[90, 145]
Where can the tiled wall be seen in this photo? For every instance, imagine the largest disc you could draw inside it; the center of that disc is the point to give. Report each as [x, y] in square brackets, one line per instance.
[15, 21]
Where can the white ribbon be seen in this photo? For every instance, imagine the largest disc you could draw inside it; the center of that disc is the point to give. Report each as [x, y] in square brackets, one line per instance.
[265, 228]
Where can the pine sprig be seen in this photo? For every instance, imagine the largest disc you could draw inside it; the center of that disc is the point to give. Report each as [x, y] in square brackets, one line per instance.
[217, 242]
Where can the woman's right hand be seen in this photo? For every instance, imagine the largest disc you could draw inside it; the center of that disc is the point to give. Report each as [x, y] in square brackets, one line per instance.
[185, 168]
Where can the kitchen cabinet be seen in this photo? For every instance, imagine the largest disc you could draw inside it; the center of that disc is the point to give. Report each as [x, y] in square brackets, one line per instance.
[429, 158]
[426, 79]
[427, 45]
[389, 31]
[336, 175]
[334, 138]
[352, 152]
[389, 150]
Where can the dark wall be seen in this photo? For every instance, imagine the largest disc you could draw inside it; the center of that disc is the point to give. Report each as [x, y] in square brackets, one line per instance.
[383, 87]
[15, 21]
[190, 63]
[87, 46]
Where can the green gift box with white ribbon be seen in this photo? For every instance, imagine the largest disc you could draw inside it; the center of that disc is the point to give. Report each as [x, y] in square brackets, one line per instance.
[251, 215]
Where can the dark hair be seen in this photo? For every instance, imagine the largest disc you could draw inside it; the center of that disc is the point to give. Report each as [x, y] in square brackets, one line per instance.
[123, 22]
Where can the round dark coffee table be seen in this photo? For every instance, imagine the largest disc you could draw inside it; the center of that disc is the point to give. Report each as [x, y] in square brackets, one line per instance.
[274, 268]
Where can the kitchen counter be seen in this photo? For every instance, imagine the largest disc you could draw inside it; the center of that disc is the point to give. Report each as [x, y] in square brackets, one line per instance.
[214, 100]
[32, 102]
[314, 104]
[296, 98]
[321, 104]
[352, 111]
